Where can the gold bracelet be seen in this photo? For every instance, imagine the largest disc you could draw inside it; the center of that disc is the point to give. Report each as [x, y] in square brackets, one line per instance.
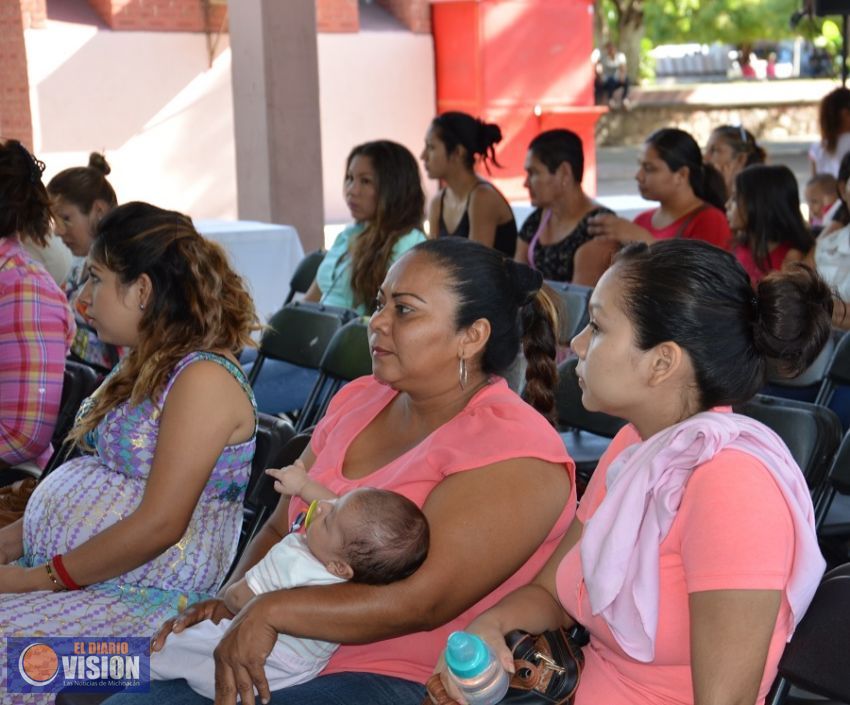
[58, 586]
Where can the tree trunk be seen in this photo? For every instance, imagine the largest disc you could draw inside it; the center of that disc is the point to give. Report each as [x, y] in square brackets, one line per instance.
[630, 33]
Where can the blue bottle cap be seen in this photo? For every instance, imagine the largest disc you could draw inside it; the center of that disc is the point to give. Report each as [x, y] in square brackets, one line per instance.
[466, 654]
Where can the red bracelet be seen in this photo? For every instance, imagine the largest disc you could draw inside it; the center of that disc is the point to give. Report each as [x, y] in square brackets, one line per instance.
[63, 574]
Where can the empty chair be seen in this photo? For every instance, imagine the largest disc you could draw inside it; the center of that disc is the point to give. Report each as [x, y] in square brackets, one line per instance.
[817, 658]
[305, 274]
[262, 499]
[586, 434]
[812, 434]
[573, 314]
[347, 357]
[298, 335]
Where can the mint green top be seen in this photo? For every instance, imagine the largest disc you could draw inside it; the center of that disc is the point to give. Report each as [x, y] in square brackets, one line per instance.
[334, 274]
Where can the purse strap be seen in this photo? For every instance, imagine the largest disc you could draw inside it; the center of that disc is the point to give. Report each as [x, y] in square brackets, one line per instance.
[690, 219]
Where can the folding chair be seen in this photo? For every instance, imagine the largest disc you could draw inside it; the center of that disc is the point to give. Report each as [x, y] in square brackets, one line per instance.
[262, 500]
[837, 482]
[573, 314]
[347, 357]
[273, 433]
[808, 383]
[837, 373]
[586, 434]
[79, 382]
[305, 274]
[298, 335]
[817, 658]
[812, 434]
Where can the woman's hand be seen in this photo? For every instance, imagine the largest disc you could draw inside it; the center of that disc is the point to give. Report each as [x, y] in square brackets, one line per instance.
[620, 229]
[240, 657]
[215, 610]
[12, 542]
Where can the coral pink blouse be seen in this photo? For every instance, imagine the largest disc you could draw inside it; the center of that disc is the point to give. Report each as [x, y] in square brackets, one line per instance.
[496, 425]
[733, 531]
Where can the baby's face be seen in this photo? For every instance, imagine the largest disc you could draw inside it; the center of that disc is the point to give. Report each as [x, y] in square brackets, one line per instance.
[333, 521]
[818, 200]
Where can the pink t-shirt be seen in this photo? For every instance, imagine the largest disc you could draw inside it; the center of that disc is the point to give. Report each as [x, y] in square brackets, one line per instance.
[733, 531]
[495, 425]
[709, 224]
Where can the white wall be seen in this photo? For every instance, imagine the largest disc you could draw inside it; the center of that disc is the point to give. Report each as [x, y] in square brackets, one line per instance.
[164, 117]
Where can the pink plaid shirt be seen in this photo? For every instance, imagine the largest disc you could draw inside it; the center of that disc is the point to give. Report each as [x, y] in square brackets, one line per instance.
[36, 329]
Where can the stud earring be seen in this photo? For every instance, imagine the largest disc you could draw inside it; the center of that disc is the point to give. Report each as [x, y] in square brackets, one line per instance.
[141, 307]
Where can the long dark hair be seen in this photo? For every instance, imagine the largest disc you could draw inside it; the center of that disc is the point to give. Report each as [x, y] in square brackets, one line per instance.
[677, 149]
[24, 203]
[700, 297]
[401, 205]
[456, 129]
[554, 147]
[831, 107]
[771, 201]
[511, 297]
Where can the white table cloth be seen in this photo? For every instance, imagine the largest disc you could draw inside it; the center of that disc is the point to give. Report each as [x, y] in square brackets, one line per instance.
[264, 255]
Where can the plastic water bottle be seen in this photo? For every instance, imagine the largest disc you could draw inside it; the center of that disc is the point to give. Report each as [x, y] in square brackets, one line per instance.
[475, 669]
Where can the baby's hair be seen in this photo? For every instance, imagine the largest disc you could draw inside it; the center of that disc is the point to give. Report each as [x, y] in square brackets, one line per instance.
[390, 542]
[827, 182]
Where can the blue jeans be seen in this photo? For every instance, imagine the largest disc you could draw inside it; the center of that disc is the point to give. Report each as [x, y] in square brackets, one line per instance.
[280, 386]
[336, 689]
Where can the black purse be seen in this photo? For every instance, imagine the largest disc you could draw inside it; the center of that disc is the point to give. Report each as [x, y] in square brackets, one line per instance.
[547, 669]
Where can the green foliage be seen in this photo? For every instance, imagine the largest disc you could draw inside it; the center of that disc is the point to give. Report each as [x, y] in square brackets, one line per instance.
[708, 21]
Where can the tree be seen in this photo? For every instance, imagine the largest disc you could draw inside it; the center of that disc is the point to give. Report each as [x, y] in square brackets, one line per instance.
[621, 21]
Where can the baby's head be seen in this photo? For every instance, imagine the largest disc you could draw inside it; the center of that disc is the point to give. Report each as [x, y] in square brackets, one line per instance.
[369, 536]
[821, 193]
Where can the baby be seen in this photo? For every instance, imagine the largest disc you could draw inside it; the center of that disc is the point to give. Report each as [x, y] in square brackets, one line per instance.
[368, 535]
[821, 195]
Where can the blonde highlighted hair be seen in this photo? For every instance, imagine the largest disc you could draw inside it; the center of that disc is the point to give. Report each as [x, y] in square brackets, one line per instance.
[198, 302]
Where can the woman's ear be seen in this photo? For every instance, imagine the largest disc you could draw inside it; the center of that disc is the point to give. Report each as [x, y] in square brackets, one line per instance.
[474, 338]
[144, 290]
[564, 173]
[99, 209]
[666, 363]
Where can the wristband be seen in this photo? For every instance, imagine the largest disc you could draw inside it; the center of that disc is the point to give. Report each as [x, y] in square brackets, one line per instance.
[63, 574]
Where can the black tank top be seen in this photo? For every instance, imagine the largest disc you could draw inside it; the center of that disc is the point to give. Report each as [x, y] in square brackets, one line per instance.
[506, 233]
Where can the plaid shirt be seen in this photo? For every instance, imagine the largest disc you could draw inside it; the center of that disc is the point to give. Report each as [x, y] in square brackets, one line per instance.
[36, 329]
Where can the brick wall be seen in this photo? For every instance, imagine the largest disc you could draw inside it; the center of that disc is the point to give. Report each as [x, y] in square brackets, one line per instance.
[414, 14]
[161, 15]
[15, 116]
[337, 16]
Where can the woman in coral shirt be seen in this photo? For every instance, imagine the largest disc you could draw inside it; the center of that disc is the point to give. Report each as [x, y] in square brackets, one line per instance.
[689, 588]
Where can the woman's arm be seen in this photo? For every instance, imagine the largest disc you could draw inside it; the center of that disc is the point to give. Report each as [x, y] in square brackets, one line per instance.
[509, 512]
[12, 542]
[434, 216]
[314, 293]
[622, 230]
[521, 251]
[186, 451]
[730, 638]
[485, 206]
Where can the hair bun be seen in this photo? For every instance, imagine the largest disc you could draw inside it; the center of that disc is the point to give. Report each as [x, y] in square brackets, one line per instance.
[525, 281]
[98, 162]
[489, 134]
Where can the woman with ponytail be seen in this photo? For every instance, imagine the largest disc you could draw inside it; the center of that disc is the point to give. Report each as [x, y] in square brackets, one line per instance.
[467, 206]
[693, 554]
[81, 196]
[150, 513]
[437, 423]
[691, 195]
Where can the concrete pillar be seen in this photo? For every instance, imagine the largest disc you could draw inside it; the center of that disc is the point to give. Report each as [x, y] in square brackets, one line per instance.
[276, 114]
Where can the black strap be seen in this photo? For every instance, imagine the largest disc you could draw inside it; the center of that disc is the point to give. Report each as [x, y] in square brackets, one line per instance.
[690, 219]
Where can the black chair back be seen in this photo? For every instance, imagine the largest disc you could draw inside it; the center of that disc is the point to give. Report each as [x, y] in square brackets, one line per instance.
[299, 333]
[573, 313]
[347, 357]
[586, 434]
[817, 658]
[837, 373]
[812, 434]
[273, 433]
[305, 274]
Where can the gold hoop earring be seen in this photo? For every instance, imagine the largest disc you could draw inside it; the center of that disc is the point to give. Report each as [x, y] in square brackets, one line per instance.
[463, 373]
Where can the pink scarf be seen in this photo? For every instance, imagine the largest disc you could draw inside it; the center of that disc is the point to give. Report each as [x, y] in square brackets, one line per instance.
[645, 484]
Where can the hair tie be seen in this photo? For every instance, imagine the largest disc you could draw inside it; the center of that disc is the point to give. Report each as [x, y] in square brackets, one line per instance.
[526, 282]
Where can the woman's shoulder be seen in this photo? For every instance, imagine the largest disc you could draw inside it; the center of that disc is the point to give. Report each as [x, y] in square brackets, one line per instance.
[219, 368]
[407, 240]
[530, 225]
[644, 219]
[498, 425]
